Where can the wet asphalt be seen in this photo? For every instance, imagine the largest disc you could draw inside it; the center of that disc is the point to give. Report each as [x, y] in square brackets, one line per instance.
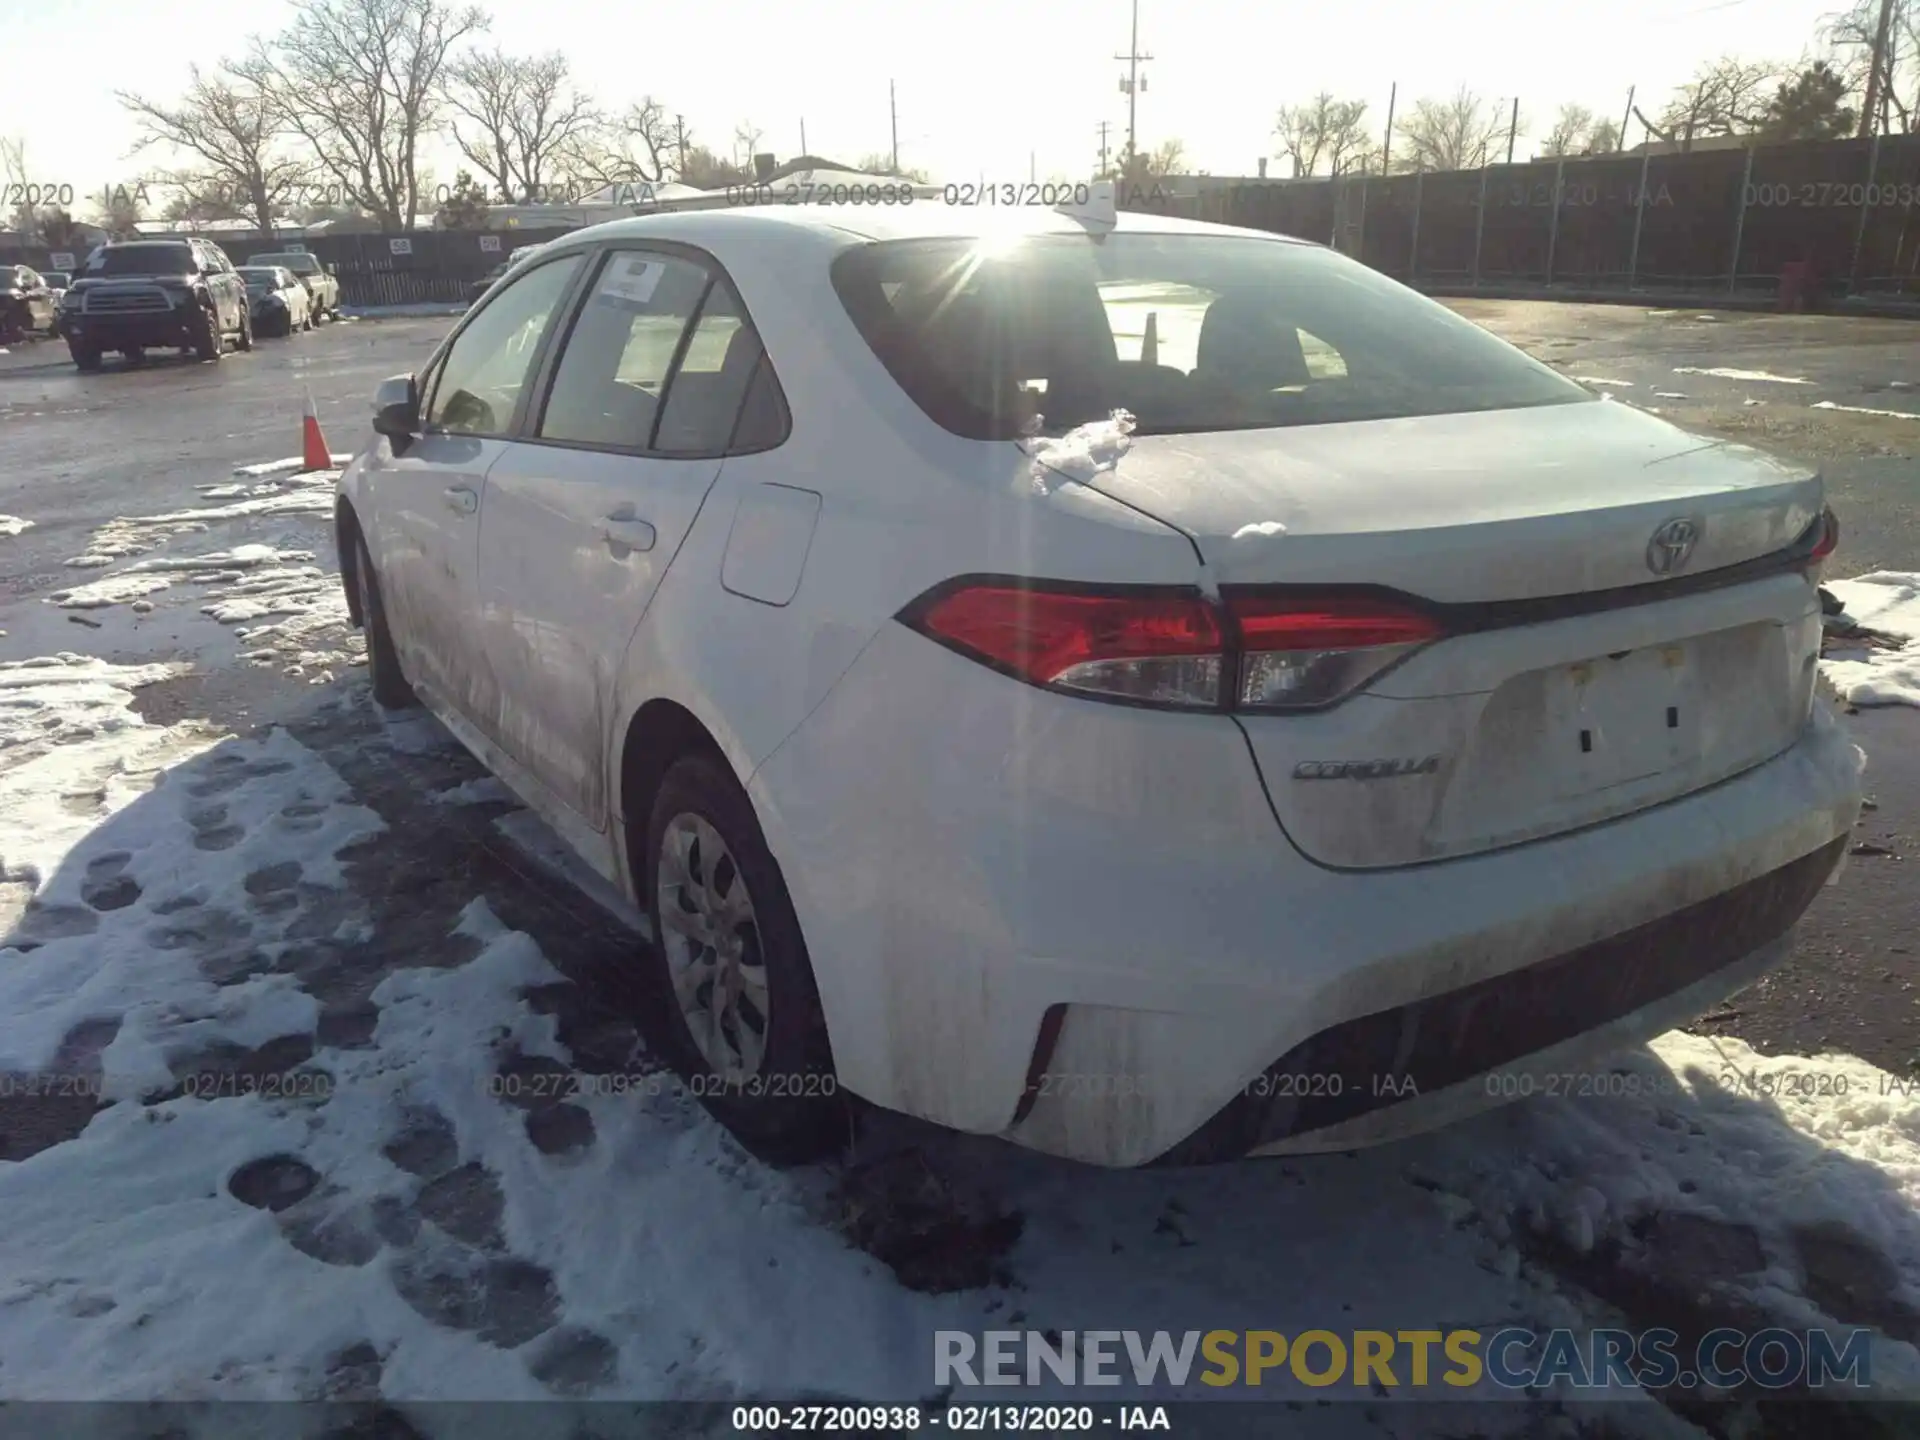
[78, 450]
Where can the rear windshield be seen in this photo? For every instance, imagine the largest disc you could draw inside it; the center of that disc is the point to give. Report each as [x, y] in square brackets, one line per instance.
[258, 279]
[299, 264]
[1190, 333]
[142, 260]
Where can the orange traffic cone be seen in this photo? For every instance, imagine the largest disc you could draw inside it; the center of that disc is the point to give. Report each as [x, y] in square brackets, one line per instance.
[314, 454]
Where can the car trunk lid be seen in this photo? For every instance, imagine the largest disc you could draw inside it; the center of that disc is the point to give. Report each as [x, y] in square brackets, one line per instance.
[1588, 670]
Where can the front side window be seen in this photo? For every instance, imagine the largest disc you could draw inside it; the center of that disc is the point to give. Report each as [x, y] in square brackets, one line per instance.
[1191, 333]
[607, 388]
[489, 362]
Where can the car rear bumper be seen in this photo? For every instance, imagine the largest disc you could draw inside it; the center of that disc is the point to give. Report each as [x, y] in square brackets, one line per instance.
[1077, 925]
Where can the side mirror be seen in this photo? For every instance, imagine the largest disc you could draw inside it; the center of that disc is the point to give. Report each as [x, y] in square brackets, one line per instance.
[396, 408]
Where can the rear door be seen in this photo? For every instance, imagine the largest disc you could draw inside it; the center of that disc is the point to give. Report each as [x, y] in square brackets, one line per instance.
[426, 501]
[587, 511]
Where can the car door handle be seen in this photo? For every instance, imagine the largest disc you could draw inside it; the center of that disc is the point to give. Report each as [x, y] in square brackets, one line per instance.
[625, 532]
[460, 498]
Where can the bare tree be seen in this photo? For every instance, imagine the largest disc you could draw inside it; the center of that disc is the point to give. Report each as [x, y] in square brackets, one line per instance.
[1850, 37]
[1453, 134]
[746, 143]
[708, 171]
[880, 162]
[13, 172]
[1603, 138]
[641, 145]
[1324, 129]
[522, 115]
[1570, 132]
[236, 135]
[120, 208]
[361, 82]
[1724, 97]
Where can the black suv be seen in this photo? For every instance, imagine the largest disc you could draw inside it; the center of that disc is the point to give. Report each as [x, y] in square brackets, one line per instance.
[142, 294]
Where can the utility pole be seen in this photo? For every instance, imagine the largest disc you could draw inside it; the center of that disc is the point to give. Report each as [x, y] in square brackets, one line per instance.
[1879, 72]
[1386, 151]
[1513, 130]
[803, 137]
[1132, 84]
[1104, 127]
[893, 111]
[680, 128]
[1626, 120]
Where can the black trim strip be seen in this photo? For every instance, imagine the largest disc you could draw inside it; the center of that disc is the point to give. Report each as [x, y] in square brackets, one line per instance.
[1471, 616]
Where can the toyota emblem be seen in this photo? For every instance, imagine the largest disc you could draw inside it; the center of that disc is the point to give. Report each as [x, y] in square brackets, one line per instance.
[1672, 546]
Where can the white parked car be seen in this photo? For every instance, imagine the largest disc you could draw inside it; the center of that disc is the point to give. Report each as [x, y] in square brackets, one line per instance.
[1385, 719]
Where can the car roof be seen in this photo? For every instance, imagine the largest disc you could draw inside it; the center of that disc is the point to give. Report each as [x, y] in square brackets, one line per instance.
[922, 219]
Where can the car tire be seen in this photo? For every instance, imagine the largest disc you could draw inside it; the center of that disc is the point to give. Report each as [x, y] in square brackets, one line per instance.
[85, 357]
[706, 870]
[245, 342]
[208, 343]
[390, 688]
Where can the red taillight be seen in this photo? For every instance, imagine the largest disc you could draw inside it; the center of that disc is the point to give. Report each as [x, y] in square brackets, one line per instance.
[1829, 540]
[1266, 654]
[1157, 648]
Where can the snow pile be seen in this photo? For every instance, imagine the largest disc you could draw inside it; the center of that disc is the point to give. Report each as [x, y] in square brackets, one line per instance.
[307, 496]
[60, 699]
[1760, 376]
[1781, 1154]
[114, 590]
[1887, 602]
[1866, 410]
[1077, 456]
[1259, 530]
[13, 525]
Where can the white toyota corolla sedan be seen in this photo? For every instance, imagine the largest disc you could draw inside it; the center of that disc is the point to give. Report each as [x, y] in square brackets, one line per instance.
[1148, 690]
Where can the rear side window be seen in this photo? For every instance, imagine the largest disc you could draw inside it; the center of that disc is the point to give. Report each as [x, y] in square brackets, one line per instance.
[1191, 333]
[722, 358]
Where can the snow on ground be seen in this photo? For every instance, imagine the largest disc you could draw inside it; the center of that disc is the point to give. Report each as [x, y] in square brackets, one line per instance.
[13, 524]
[236, 573]
[370, 1196]
[314, 1168]
[1724, 373]
[1874, 674]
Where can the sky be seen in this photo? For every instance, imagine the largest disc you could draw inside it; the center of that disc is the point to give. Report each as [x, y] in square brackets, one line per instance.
[994, 89]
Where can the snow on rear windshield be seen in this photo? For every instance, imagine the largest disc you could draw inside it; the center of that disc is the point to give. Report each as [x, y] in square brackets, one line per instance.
[1189, 333]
